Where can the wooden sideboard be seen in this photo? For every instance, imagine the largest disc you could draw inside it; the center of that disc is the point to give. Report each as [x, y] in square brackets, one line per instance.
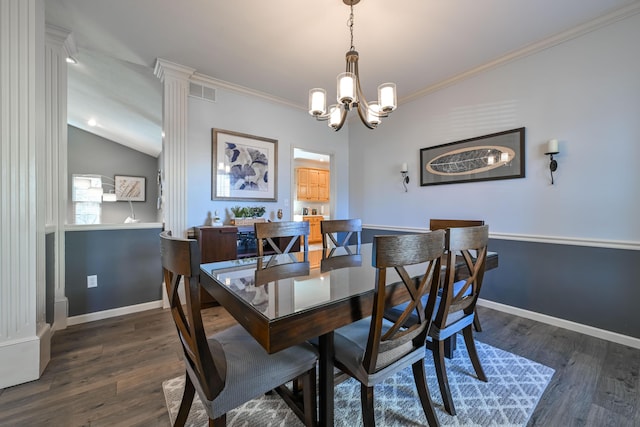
[217, 243]
[232, 242]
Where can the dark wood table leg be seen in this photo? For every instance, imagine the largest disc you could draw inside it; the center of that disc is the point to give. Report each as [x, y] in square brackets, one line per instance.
[325, 362]
[450, 345]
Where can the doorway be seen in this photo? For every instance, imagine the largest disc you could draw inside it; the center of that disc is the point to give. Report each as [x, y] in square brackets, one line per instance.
[315, 202]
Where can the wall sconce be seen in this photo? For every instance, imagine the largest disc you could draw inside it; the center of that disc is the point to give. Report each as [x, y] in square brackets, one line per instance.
[552, 148]
[405, 176]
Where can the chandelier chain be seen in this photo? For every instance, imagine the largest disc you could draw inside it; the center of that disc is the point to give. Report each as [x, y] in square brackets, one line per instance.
[351, 26]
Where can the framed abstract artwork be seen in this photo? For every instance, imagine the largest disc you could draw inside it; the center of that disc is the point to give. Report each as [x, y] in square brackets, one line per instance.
[243, 167]
[484, 158]
[130, 188]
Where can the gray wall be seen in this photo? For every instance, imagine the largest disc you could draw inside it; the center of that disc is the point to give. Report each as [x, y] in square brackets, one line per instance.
[127, 263]
[586, 285]
[92, 154]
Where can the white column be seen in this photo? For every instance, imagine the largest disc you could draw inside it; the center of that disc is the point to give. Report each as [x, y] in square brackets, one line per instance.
[175, 79]
[58, 45]
[24, 337]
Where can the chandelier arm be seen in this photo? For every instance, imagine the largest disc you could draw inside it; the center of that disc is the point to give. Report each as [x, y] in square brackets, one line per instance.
[343, 118]
[363, 118]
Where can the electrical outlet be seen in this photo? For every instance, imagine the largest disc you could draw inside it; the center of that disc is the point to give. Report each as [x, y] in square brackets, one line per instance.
[92, 281]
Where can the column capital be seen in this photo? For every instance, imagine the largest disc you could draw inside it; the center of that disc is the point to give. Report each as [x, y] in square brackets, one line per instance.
[166, 68]
[61, 37]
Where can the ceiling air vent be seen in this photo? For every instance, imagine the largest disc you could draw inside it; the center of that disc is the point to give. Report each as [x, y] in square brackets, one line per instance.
[202, 92]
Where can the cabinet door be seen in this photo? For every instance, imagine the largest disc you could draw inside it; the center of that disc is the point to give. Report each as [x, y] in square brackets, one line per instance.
[315, 235]
[217, 243]
[323, 185]
[303, 184]
[313, 184]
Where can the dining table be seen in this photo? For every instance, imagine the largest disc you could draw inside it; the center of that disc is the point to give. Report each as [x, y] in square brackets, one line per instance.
[305, 296]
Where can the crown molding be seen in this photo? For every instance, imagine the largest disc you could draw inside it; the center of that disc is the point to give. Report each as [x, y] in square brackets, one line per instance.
[577, 31]
[165, 68]
[210, 81]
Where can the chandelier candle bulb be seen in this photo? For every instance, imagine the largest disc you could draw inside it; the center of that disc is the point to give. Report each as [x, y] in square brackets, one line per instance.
[373, 113]
[346, 88]
[317, 101]
[334, 116]
[387, 97]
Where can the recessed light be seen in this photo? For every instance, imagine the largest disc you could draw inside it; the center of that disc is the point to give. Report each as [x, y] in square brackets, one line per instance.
[71, 60]
[92, 122]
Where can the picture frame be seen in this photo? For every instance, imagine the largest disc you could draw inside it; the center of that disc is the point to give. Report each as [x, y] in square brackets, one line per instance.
[130, 188]
[484, 158]
[243, 167]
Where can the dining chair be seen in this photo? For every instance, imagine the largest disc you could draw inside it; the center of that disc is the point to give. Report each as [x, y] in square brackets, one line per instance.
[347, 227]
[228, 368]
[443, 224]
[455, 307]
[373, 349]
[267, 231]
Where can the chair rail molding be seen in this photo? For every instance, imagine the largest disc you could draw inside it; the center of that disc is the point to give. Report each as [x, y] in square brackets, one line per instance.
[556, 240]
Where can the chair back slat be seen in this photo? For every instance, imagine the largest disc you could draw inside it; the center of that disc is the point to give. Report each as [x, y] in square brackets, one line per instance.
[470, 245]
[267, 231]
[181, 263]
[396, 252]
[330, 228]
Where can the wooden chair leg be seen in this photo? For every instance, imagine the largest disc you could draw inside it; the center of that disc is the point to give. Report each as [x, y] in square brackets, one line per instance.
[419, 376]
[476, 321]
[221, 421]
[309, 398]
[185, 404]
[441, 372]
[366, 399]
[467, 333]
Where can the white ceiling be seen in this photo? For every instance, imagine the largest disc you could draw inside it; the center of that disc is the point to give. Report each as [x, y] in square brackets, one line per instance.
[285, 47]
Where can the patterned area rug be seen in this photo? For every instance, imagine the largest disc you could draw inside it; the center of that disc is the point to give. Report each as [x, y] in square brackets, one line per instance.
[508, 399]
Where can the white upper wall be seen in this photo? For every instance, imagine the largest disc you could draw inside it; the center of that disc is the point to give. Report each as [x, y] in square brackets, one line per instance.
[584, 92]
[292, 127]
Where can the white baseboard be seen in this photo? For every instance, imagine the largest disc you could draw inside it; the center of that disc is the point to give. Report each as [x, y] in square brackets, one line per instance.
[106, 314]
[20, 361]
[562, 323]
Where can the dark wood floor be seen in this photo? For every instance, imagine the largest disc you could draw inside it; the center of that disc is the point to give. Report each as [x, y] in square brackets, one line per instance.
[109, 373]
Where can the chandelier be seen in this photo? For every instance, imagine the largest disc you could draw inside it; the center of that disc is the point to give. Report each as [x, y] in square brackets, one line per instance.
[349, 94]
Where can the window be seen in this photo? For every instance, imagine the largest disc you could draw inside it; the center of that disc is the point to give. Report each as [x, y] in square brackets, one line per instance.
[86, 194]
